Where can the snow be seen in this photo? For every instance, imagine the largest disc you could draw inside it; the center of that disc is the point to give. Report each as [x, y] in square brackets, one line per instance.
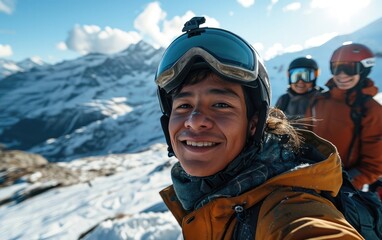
[130, 196]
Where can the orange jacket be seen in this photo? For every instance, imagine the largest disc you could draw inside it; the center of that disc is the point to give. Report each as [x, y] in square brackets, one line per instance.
[285, 213]
[334, 123]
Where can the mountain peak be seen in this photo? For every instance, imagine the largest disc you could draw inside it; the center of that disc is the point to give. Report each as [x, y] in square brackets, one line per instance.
[139, 47]
[30, 63]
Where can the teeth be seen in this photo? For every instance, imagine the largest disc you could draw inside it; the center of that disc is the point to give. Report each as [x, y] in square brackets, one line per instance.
[200, 144]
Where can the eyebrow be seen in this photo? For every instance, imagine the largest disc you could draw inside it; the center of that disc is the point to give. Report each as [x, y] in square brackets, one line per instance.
[214, 91]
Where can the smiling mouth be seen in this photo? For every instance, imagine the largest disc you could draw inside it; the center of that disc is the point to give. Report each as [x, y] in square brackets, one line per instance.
[200, 144]
[344, 81]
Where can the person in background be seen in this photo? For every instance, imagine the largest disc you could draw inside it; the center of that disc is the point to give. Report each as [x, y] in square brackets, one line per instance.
[302, 77]
[349, 117]
[244, 172]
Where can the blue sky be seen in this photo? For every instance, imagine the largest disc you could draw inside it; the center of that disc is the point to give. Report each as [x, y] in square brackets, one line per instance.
[56, 30]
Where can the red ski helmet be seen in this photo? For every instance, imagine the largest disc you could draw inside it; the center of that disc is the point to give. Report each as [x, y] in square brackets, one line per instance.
[358, 54]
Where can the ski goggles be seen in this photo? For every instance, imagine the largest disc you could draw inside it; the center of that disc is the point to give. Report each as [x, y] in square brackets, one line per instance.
[305, 74]
[225, 52]
[349, 68]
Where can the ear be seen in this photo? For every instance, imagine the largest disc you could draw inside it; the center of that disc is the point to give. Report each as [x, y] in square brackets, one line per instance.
[253, 124]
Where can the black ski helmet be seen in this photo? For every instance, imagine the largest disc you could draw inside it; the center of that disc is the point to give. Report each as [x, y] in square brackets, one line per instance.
[305, 62]
[226, 54]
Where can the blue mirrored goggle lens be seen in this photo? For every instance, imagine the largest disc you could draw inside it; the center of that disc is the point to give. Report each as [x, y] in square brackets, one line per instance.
[224, 46]
[305, 74]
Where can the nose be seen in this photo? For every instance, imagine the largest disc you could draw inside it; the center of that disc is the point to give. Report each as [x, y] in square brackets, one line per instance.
[198, 120]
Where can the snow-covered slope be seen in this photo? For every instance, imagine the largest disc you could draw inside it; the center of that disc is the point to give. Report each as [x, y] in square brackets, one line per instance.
[92, 105]
[126, 205]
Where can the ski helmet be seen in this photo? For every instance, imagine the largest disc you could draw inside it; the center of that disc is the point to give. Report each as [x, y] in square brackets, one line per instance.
[227, 55]
[307, 63]
[360, 57]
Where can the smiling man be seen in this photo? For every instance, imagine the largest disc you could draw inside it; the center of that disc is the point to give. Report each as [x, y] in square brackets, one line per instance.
[348, 115]
[208, 119]
[243, 171]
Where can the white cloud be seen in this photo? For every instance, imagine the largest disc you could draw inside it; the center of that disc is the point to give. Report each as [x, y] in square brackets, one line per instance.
[278, 49]
[246, 3]
[151, 25]
[292, 7]
[5, 51]
[273, 51]
[91, 38]
[149, 21]
[212, 22]
[7, 6]
[342, 10]
[270, 6]
[340, 4]
[61, 46]
[293, 48]
[319, 40]
[259, 48]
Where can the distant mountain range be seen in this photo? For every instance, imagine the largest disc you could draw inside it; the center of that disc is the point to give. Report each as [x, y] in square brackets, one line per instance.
[100, 104]
[93, 105]
[8, 67]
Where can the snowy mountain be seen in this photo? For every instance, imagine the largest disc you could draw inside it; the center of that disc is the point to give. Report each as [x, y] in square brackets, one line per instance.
[94, 105]
[125, 205]
[97, 105]
[8, 67]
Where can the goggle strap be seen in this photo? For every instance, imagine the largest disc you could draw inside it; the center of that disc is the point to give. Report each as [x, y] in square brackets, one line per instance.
[316, 73]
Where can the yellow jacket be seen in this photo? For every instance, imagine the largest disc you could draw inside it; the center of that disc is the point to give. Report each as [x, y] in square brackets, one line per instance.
[285, 213]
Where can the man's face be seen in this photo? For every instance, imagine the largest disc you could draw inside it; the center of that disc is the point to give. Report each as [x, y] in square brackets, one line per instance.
[301, 87]
[344, 81]
[208, 125]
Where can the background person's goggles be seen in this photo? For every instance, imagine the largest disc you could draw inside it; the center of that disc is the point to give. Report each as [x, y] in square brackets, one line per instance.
[305, 74]
[224, 51]
[349, 68]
